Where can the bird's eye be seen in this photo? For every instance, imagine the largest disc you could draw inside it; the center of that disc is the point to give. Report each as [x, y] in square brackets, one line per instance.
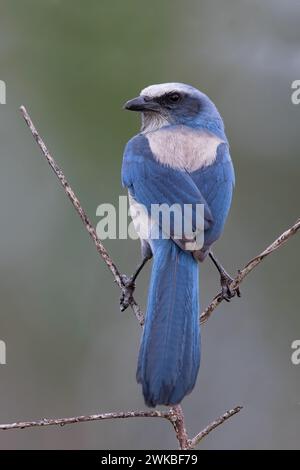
[174, 97]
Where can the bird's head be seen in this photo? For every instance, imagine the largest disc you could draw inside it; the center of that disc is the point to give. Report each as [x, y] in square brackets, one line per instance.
[174, 103]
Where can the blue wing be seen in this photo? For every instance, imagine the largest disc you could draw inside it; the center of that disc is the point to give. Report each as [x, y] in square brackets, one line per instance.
[216, 183]
[150, 182]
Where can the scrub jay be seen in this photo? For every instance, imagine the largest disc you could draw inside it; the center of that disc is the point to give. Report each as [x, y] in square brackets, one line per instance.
[181, 155]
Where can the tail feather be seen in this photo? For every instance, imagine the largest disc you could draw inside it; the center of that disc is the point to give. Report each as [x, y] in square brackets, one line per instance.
[169, 355]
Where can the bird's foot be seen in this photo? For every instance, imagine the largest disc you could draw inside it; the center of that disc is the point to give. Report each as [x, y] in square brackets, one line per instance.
[227, 292]
[127, 292]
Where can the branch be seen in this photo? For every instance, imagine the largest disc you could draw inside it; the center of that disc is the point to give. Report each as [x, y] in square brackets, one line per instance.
[176, 417]
[175, 414]
[195, 441]
[82, 214]
[252, 264]
[84, 419]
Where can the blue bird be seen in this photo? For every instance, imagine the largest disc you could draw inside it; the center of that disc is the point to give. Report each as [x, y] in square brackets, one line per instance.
[181, 156]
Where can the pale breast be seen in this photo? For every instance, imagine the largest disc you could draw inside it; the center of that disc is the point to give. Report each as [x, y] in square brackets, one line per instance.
[183, 147]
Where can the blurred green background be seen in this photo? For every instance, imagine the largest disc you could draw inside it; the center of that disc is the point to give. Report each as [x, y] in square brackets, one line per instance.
[69, 350]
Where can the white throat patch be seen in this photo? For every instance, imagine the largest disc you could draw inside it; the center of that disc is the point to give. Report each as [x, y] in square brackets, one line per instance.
[152, 121]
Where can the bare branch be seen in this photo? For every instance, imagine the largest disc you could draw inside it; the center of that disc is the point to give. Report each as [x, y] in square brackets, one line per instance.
[176, 417]
[84, 419]
[253, 263]
[195, 441]
[76, 203]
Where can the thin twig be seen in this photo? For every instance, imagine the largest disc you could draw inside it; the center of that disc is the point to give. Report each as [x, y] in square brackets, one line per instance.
[76, 203]
[84, 419]
[253, 263]
[195, 441]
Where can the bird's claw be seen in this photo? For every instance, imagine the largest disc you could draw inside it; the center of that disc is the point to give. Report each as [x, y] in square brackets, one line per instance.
[227, 292]
[127, 292]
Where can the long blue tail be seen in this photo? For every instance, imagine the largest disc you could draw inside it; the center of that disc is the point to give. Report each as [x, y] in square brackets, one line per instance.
[169, 355]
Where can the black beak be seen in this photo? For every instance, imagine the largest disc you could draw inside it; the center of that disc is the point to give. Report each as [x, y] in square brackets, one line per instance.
[141, 103]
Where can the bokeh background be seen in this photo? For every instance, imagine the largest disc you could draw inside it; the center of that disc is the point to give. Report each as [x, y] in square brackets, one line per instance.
[69, 350]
